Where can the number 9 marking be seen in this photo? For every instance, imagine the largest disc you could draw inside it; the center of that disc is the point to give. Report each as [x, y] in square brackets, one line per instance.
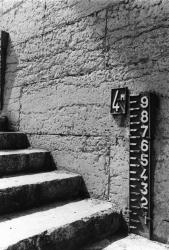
[144, 102]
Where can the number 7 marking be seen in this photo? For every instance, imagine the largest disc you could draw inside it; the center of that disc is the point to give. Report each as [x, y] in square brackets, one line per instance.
[145, 127]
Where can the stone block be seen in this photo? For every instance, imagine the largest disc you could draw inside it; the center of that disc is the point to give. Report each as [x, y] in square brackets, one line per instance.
[62, 226]
[13, 140]
[24, 160]
[27, 191]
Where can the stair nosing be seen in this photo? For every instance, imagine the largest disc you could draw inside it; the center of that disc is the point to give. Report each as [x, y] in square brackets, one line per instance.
[11, 132]
[30, 179]
[22, 151]
[49, 223]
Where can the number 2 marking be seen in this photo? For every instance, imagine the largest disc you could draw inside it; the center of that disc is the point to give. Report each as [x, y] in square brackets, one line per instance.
[144, 202]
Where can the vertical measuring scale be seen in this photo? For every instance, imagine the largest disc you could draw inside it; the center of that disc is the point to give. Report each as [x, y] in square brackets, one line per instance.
[139, 179]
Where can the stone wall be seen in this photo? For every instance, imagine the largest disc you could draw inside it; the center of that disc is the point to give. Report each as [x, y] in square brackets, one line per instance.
[64, 58]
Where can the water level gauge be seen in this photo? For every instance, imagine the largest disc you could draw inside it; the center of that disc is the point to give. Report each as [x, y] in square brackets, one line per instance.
[140, 165]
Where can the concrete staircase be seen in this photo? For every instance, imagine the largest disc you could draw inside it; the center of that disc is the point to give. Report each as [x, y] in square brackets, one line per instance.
[43, 208]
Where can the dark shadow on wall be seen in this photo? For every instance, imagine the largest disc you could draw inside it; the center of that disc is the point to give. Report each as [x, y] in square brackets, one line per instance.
[10, 75]
[4, 45]
[155, 105]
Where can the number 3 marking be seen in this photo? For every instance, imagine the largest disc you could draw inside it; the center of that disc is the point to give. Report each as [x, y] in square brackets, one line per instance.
[144, 191]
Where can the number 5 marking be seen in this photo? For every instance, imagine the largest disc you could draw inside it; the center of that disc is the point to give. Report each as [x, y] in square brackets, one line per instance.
[116, 106]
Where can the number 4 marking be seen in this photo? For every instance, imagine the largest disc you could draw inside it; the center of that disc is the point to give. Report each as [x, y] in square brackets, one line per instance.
[143, 175]
[115, 103]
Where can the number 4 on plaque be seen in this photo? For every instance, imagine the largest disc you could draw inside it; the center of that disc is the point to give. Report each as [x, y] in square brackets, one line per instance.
[118, 101]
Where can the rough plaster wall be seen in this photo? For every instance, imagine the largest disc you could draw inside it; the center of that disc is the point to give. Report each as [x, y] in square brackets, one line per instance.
[63, 60]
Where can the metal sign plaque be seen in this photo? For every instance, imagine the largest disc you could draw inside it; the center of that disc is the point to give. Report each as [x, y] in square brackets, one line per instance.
[139, 179]
[118, 101]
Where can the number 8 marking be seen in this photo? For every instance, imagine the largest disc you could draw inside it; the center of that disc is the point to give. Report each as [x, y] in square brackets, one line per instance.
[144, 116]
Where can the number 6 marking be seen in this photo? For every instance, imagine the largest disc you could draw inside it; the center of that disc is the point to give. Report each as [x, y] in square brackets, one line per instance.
[144, 145]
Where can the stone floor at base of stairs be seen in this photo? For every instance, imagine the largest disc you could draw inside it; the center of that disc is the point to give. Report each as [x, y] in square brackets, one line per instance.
[130, 242]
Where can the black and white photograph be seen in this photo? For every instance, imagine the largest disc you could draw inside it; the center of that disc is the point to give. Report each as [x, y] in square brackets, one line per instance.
[84, 124]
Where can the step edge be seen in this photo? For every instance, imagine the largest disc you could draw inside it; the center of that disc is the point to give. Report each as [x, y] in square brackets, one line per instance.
[102, 212]
[70, 175]
[8, 152]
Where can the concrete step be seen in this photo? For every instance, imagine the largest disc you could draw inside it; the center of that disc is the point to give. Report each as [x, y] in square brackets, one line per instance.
[59, 227]
[26, 191]
[130, 242]
[13, 140]
[24, 160]
[3, 123]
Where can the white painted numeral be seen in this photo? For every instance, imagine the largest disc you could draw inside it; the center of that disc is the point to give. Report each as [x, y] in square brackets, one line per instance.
[144, 145]
[144, 190]
[144, 116]
[115, 103]
[144, 102]
[144, 202]
[144, 160]
[145, 128]
[143, 175]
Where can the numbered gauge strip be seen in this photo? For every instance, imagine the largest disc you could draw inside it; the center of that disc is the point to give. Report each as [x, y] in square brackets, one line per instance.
[140, 141]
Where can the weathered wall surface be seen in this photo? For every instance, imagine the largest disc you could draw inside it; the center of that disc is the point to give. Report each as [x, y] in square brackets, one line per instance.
[63, 60]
